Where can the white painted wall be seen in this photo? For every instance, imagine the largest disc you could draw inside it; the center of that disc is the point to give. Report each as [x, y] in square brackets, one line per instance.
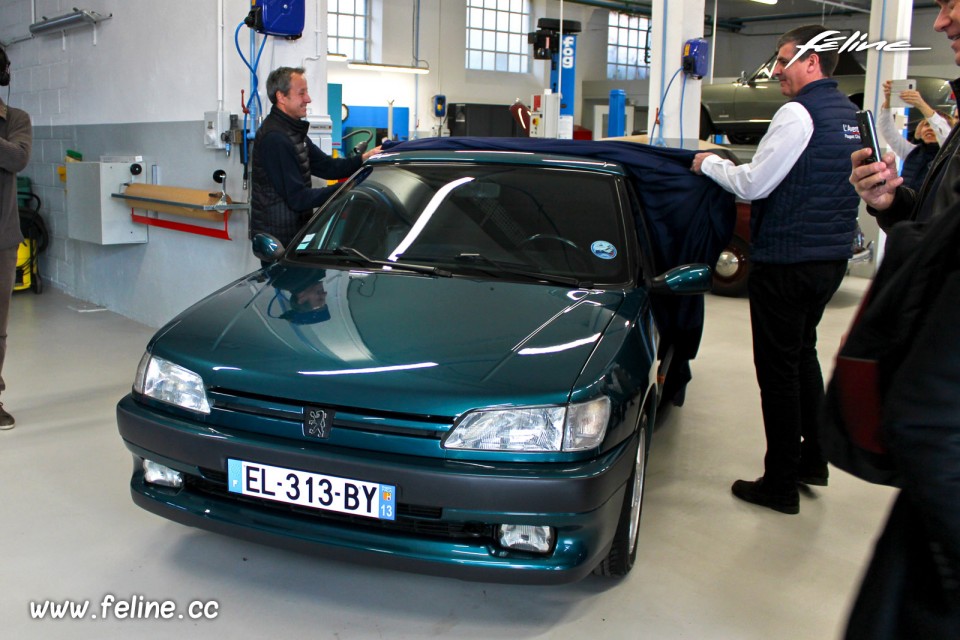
[442, 44]
[158, 61]
[142, 80]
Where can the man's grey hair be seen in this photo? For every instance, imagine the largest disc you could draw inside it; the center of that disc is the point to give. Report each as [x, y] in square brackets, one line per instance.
[279, 80]
[803, 35]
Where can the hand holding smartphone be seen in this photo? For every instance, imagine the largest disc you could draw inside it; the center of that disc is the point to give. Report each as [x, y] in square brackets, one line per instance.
[868, 135]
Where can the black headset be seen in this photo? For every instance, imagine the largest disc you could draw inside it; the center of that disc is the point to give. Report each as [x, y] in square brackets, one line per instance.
[4, 68]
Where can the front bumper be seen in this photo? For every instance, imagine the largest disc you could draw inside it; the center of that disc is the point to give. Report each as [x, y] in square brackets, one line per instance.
[446, 509]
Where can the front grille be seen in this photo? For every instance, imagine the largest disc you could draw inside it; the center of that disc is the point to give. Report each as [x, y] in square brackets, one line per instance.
[418, 520]
[355, 419]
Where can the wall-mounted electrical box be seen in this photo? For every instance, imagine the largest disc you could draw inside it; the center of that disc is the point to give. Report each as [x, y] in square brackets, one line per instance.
[216, 129]
[92, 214]
[694, 61]
[545, 115]
[439, 106]
[321, 132]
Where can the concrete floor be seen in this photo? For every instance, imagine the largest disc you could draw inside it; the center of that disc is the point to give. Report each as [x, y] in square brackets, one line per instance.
[709, 566]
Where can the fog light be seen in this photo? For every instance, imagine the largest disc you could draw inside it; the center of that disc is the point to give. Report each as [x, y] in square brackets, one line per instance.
[156, 473]
[526, 537]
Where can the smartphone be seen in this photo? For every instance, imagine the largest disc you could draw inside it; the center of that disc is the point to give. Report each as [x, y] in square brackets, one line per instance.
[868, 135]
[896, 86]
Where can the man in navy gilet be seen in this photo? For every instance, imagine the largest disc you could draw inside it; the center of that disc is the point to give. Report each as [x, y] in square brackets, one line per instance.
[284, 159]
[803, 218]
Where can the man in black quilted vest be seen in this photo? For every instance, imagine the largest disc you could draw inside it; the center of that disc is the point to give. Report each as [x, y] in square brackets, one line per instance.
[802, 222]
[284, 159]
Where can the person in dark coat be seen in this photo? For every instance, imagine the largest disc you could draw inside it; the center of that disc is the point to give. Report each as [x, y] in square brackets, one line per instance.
[16, 141]
[912, 586]
[284, 159]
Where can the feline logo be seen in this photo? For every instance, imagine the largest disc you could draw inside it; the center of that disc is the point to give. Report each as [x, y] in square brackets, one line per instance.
[317, 422]
[828, 41]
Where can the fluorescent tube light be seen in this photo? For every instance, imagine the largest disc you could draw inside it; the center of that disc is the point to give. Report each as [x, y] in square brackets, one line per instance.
[397, 68]
[766, 1]
[78, 18]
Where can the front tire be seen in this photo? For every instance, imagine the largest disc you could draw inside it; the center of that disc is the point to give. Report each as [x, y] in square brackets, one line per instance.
[623, 551]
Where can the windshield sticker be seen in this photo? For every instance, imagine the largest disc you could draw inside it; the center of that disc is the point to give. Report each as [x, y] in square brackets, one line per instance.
[603, 250]
[306, 241]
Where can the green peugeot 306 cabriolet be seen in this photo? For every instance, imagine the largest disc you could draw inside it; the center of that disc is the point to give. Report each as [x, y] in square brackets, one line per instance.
[452, 369]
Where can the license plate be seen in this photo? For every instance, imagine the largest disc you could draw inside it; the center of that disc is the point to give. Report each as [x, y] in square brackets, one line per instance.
[330, 493]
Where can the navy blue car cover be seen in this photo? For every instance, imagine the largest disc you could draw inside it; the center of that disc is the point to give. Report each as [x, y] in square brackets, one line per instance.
[689, 217]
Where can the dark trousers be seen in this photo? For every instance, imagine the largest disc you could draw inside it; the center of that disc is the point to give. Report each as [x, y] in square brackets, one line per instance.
[786, 304]
[8, 277]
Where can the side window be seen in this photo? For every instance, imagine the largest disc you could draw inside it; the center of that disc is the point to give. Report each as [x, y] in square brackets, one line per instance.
[765, 72]
[645, 265]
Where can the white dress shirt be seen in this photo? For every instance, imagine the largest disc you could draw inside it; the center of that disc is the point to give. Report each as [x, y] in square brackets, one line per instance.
[788, 136]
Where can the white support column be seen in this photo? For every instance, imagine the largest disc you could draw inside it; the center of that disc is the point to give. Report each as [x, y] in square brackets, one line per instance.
[672, 24]
[890, 20]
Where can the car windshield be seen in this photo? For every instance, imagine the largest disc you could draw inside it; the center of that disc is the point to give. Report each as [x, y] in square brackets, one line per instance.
[505, 221]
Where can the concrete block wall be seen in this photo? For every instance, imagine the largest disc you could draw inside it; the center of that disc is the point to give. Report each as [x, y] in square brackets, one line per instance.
[137, 85]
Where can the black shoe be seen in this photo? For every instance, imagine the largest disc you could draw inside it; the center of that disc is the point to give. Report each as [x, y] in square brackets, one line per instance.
[6, 420]
[757, 493]
[818, 476]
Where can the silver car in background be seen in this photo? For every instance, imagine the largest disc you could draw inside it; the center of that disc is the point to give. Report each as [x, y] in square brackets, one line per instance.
[742, 110]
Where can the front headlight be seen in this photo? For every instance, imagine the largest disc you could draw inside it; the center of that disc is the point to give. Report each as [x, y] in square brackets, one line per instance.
[167, 382]
[574, 427]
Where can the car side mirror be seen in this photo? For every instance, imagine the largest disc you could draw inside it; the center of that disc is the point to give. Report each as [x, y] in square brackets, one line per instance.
[687, 279]
[743, 77]
[266, 247]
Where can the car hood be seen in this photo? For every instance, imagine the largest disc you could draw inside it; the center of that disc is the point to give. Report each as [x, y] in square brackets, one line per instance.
[393, 341]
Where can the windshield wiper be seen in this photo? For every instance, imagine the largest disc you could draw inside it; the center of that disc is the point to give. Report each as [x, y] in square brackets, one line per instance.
[356, 256]
[515, 270]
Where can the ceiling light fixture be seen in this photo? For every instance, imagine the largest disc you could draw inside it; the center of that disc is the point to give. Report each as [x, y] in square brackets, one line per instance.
[766, 1]
[397, 68]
